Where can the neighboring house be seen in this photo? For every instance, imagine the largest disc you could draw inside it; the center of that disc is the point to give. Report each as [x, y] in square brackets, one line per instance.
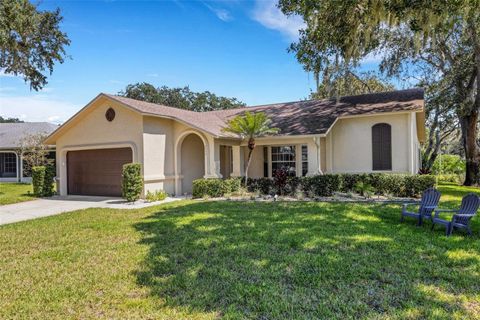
[11, 135]
[378, 132]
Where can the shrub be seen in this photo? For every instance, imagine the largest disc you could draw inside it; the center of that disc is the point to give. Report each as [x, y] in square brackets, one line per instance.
[450, 164]
[454, 178]
[364, 189]
[321, 185]
[48, 186]
[132, 182]
[38, 180]
[293, 185]
[262, 185]
[400, 185]
[416, 184]
[280, 181]
[350, 180]
[157, 195]
[216, 187]
[232, 185]
[208, 187]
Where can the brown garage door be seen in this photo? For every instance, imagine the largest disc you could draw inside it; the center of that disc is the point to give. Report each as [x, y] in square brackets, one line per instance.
[97, 172]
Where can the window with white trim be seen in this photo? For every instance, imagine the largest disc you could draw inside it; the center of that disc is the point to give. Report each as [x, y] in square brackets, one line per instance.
[304, 160]
[283, 157]
[8, 165]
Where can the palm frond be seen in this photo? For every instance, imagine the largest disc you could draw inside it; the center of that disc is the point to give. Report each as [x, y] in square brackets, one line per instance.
[250, 125]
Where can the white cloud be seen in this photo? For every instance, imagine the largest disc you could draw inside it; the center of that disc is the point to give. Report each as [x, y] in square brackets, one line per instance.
[221, 14]
[270, 16]
[37, 108]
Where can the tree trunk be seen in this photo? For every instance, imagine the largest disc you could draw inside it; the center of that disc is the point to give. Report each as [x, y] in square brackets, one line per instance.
[469, 122]
[248, 166]
[468, 125]
[251, 146]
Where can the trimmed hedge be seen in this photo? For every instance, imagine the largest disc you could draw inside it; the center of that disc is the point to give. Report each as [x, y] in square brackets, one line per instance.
[398, 185]
[38, 180]
[48, 186]
[214, 187]
[321, 185]
[132, 181]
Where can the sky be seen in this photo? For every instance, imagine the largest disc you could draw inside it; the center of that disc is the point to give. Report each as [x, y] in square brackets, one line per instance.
[231, 48]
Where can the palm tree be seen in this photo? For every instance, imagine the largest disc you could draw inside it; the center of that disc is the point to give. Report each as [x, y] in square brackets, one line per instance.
[250, 126]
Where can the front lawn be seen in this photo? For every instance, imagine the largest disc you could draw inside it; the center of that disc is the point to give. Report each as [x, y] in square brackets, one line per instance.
[206, 260]
[15, 192]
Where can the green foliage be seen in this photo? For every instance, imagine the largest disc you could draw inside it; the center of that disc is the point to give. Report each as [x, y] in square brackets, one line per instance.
[364, 189]
[48, 185]
[452, 178]
[182, 98]
[38, 180]
[262, 185]
[321, 185]
[416, 184]
[132, 181]
[208, 187]
[215, 187]
[232, 185]
[31, 41]
[157, 195]
[251, 125]
[350, 84]
[399, 185]
[448, 164]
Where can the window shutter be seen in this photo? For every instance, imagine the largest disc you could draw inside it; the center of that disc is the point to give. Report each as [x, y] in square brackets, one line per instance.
[382, 146]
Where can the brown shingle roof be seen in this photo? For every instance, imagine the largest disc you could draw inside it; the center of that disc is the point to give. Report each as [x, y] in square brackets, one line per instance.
[293, 118]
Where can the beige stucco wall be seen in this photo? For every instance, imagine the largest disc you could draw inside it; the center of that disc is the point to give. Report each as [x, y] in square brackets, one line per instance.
[158, 150]
[192, 161]
[92, 131]
[349, 144]
[256, 164]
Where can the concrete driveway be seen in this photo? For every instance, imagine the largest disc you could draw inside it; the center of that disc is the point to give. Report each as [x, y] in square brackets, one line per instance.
[55, 205]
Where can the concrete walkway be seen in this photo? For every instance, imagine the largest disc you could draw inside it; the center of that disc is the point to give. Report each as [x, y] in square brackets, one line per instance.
[55, 205]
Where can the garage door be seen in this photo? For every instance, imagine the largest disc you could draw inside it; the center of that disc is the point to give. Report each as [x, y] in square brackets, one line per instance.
[97, 172]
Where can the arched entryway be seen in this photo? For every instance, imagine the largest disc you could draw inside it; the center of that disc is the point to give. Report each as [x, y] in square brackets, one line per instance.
[192, 161]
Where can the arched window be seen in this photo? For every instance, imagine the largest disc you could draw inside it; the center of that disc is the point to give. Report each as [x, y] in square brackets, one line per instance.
[382, 146]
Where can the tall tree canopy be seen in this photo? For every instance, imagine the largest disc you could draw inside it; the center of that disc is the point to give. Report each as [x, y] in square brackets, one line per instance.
[182, 98]
[441, 35]
[31, 41]
[350, 84]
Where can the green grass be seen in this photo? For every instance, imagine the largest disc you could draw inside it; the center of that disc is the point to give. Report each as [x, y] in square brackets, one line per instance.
[15, 192]
[206, 260]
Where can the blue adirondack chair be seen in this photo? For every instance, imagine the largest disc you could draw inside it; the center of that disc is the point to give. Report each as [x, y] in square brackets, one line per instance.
[461, 218]
[427, 205]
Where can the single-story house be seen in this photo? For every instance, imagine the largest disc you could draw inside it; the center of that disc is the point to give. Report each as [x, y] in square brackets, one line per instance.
[11, 135]
[378, 132]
